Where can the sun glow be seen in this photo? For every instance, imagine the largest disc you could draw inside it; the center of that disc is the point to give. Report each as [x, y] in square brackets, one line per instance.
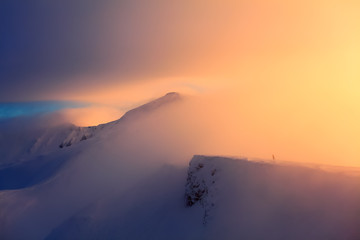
[287, 72]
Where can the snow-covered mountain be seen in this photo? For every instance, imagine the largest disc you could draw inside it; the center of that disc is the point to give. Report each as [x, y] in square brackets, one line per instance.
[138, 178]
[31, 153]
[24, 141]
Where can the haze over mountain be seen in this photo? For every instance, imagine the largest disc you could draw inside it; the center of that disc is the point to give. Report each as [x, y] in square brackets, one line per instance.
[137, 178]
[262, 142]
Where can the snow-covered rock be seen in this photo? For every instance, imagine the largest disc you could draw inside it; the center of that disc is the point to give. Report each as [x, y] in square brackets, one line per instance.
[201, 187]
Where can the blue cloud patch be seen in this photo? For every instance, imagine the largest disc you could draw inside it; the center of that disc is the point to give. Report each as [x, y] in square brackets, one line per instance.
[16, 109]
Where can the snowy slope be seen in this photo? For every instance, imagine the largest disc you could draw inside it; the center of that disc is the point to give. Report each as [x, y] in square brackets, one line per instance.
[68, 179]
[30, 156]
[224, 198]
[256, 200]
[151, 209]
[83, 133]
[22, 141]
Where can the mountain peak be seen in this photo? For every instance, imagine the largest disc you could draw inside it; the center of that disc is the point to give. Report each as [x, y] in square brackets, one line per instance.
[152, 105]
[172, 94]
[169, 96]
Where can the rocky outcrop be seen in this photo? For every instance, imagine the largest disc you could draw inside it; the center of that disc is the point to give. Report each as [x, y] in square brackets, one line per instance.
[201, 183]
[78, 134]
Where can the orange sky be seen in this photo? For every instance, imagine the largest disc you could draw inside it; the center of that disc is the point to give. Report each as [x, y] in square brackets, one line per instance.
[288, 71]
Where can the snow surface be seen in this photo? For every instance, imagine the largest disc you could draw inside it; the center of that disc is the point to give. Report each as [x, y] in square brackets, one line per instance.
[230, 199]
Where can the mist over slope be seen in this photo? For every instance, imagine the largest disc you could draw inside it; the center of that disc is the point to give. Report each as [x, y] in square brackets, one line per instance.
[131, 179]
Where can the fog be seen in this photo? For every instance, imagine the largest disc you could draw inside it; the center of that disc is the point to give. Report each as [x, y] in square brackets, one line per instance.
[286, 71]
[264, 80]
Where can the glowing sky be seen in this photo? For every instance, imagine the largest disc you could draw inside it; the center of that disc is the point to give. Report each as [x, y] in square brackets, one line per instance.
[290, 68]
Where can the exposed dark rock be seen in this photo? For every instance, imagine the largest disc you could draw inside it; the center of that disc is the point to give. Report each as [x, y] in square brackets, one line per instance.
[200, 184]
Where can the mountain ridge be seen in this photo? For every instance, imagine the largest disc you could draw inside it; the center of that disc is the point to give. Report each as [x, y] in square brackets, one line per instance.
[84, 133]
[26, 142]
[41, 156]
